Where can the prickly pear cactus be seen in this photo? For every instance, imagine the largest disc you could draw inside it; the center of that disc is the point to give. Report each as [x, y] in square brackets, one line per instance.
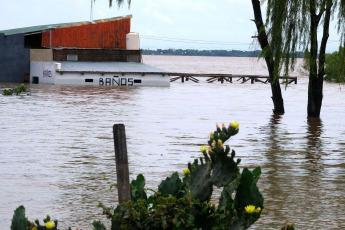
[171, 185]
[224, 171]
[247, 191]
[19, 221]
[219, 169]
[97, 225]
[198, 184]
[226, 195]
[48, 224]
[185, 204]
[137, 188]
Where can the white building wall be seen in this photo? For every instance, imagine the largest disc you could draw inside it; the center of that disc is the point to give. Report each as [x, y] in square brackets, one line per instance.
[45, 71]
[111, 79]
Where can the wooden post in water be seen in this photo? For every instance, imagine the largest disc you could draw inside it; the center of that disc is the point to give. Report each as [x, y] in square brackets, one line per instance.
[121, 160]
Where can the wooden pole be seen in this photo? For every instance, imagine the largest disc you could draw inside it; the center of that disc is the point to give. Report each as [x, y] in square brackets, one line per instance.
[121, 160]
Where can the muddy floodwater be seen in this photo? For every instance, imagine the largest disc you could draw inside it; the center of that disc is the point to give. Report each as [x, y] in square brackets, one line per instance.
[57, 150]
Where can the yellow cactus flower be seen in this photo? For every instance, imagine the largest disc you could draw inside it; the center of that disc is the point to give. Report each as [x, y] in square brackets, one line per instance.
[211, 136]
[220, 142]
[34, 228]
[258, 209]
[186, 171]
[50, 225]
[250, 209]
[203, 149]
[234, 124]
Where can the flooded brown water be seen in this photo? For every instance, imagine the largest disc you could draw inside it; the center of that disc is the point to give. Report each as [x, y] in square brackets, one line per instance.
[57, 153]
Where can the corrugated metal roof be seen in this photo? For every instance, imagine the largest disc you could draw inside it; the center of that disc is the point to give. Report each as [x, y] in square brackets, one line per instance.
[33, 29]
[112, 67]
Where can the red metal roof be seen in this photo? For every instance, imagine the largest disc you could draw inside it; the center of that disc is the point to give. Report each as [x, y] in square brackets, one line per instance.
[109, 33]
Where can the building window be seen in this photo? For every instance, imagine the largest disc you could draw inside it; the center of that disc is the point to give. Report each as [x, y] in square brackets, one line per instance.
[72, 57]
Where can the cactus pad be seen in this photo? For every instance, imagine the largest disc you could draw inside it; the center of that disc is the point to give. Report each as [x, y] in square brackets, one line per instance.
[171, 185]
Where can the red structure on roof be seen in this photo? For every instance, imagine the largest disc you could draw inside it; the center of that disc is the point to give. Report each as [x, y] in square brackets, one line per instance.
[109, 33]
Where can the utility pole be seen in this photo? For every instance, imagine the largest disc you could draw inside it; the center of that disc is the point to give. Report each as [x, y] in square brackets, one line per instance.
[91, 11]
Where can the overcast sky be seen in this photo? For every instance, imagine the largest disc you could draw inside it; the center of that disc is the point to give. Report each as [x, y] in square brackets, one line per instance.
[194, 24]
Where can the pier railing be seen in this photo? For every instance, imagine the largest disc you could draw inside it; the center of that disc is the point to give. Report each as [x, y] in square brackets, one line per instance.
[227, 78]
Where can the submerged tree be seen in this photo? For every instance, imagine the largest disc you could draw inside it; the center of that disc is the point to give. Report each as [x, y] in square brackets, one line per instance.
[294, 24]
[273, 69]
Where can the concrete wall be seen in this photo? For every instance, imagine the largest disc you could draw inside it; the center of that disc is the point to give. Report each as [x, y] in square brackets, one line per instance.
[14, 58]
[41, 55]
[44, 71]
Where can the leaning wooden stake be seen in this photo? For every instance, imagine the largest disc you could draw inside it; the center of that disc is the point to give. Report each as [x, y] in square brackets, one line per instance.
[121, 160]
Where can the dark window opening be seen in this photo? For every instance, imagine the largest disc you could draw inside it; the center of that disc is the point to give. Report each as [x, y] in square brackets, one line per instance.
[33, 41]
[35, 80]
[88, 80]
[137, 81]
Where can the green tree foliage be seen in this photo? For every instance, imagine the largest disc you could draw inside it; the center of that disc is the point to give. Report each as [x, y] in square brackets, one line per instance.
[335, 66]
[119, 2]
[290, 23]
[294, 25]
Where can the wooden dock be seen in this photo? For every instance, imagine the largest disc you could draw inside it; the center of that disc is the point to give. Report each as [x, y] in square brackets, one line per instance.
[227, 78]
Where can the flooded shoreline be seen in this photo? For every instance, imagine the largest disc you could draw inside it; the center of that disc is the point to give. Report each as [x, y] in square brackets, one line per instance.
[57, 153]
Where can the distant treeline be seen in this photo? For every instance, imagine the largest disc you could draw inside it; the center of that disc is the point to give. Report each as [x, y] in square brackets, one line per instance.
[215, 53]
[192, 52]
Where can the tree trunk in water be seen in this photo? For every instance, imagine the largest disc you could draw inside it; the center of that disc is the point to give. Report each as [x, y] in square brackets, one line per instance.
[315, 87]
[277, 97]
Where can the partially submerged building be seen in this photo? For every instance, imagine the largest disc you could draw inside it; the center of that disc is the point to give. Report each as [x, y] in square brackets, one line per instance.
[102, 52]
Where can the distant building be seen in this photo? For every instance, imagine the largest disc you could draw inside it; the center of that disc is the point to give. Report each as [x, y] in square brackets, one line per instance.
[49, 48]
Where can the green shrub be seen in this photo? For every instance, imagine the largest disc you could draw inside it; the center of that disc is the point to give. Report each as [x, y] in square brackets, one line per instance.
[17, 91]
[335, 66]
[7, 92]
